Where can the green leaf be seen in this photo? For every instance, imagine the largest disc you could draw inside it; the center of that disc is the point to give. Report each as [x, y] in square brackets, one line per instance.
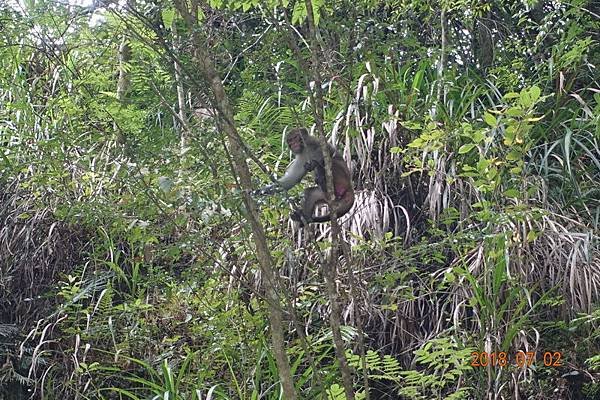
[465, 148]
[535, 93]
[478, 136]
[414, 125]
[513, 193]
[483, 164]
[418, 142]
[514, 112]
[299, 13]
[490, 119]
[109, 94]
[317, 5]
[516, 170]
[168, 16]
[525, 99]
[511, 95]
[513, 155]
[417, 80]
[509, 135]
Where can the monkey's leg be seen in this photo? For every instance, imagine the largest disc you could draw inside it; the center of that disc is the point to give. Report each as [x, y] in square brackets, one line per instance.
[312, 197]
[342, 204]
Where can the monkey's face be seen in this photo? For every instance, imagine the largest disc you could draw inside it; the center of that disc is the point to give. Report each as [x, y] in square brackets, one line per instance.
[295, 143]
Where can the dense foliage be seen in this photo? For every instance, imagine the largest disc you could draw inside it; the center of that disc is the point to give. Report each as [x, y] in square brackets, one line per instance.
[128, 267]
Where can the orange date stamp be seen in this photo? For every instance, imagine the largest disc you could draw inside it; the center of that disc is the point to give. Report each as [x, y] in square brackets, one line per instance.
[518, 359]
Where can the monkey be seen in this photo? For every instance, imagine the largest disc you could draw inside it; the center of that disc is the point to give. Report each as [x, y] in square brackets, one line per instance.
[309, 157]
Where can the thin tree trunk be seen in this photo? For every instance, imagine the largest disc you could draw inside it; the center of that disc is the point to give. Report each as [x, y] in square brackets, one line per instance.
[330, 269]
[124, 81]
[242, 172]
[346, 249]
[442, 61]
[124, 57]
[183, 131]
[359, 323]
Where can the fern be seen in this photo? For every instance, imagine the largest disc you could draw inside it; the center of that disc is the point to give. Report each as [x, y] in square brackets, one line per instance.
[260, 114]
[443, 362]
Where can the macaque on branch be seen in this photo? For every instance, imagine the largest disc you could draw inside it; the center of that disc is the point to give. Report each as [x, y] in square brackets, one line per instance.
[309, 157]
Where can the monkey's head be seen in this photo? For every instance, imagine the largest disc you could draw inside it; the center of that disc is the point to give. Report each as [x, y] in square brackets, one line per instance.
[296, 139]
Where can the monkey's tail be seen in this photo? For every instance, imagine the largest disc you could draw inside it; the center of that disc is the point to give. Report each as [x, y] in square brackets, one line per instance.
[345, 205]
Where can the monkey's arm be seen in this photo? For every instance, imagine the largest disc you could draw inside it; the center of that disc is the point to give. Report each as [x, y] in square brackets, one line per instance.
[294, 174]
